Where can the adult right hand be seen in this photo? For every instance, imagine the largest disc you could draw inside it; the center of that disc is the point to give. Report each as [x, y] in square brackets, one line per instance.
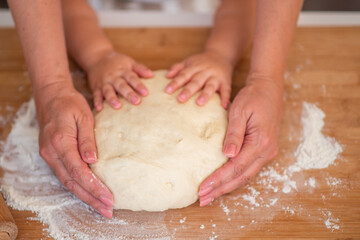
[67, 143]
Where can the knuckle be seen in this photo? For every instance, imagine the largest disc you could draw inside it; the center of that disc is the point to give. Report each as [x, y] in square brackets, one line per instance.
[265, 142]
[75, 173]
[70, 184]
[239, 168]
[56, 138]
[244, 180]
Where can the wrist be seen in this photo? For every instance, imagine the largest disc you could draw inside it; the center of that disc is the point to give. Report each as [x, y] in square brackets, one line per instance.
[219, 54]
[266, 80]
[98, 56]
[50, 89]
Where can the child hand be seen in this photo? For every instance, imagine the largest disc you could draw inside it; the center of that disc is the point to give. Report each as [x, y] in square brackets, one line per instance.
[117, 74]
[207, 71]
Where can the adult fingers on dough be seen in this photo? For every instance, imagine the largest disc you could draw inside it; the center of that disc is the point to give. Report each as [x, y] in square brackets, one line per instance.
[110, 96]
[126, 91]
[85, 196]
[98, 99]
[135, 83]
[86, 138]
[175, 69]
[233, 169]
[210, 88]
[235, 131]
[182, 78]
[82, 175]
[196, 83]
[142, 70]
[239, 181]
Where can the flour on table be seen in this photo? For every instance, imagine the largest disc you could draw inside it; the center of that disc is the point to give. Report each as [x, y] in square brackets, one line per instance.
[29, 184]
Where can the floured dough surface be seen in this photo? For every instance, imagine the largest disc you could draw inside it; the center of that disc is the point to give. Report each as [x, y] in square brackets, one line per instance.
[154, 156]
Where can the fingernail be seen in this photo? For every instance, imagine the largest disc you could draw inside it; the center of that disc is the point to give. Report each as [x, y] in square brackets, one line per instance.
[205, 191]
[115, 104]
[134, 99]
[168, 89]
[90, 156]
[230, 150]
[206, 201]
[201, 100]
[182, 97]
[106, 212]
[143, 91]
[107, 201]
[226, 105]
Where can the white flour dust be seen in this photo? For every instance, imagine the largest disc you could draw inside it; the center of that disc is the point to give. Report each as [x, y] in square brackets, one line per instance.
[29, 184]
[316, 150]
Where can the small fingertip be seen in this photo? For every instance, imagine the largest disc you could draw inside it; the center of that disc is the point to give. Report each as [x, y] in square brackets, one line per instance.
[225, 104]
[169, 89]
[135, 100]
[201, 101]
[230, 150]
[144, 92]
[98, 107]
[148, 73]
[182, 97]
[115, 104]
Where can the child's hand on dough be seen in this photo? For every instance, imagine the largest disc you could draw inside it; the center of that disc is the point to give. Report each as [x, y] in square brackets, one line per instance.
[115, 74]
[208, 72]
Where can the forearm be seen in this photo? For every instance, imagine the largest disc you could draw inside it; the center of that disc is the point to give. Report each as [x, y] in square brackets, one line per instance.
[85, 40]
[233, 28]
[41, 34]
[275, 25]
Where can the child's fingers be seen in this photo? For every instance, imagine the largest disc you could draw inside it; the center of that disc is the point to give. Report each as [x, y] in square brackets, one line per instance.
[182, 78]
[110, 96]
[142, 70]
[98, 98]
[175, 69]
[225, 92]
[135, 83]
[209, 90]
[197, 82]
[122, 87]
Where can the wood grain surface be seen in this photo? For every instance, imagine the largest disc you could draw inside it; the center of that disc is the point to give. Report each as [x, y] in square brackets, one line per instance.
[323, 68]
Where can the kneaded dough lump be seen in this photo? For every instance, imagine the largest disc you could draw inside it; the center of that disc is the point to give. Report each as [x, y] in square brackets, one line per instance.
[155, 155]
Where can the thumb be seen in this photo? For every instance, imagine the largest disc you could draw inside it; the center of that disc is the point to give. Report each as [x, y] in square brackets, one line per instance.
[235, 133]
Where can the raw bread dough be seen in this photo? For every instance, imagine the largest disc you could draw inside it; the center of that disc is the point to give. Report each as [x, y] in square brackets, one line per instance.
[154, 156]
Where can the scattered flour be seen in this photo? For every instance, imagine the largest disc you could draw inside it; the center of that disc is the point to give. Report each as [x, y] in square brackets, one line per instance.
[182, 220]
[29, 184]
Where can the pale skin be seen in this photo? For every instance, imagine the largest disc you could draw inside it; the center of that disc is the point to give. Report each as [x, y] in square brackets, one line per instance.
[67, 141]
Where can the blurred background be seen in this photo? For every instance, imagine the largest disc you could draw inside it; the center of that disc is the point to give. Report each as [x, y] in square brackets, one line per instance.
[206, 5]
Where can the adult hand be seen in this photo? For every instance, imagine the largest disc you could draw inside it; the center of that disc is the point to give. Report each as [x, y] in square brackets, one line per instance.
[67, 143]
[114, 74]
[208, 72]
[251, 137]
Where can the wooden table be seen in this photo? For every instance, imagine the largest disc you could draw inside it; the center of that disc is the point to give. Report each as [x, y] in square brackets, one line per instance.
[323, 68]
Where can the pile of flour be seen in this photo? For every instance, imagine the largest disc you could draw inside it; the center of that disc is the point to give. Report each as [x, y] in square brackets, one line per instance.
[29, 184]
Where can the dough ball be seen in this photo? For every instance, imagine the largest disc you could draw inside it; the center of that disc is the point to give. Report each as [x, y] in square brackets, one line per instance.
[155, 155]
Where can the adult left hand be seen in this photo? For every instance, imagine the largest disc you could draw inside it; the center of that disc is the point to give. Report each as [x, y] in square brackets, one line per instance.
[251, 137]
